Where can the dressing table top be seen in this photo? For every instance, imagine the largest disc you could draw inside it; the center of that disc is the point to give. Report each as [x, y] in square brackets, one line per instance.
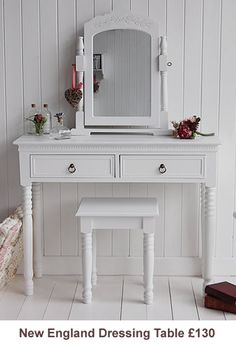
[124, 139]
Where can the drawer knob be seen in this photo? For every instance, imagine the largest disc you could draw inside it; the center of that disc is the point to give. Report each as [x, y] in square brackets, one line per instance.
[71, 168]
[162, 168]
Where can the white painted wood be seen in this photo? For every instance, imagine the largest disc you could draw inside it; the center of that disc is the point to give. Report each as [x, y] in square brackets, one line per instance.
[120, 238]
[82, 166]
[182, 299]
[69, 236]
[52, 219]
[94, 259]
[3, 133]
[157, 11]
[121, 5]
[209, 234]
[102, 7]
[107, 299]
[49, 71]
[114, 298]
[80, 73]
[28, 239]
[118, 212]
[136, 237]
[12, 300]
[66, 24]
[84, 12]
[45, 167]
[164, 86]
[61, 299]
[191, 218]
[161, 307]
[49, 53]
[118, 207]
[140, 7]
[148, 259]
[215, 48]
[37, 225]
[83, 190]
[226, 178]
[86, 264]
[133, 307]
[110, 22]
[104, 239]
[35, 306]
[172, 211]
[175, 34]
[14, 110]
[210, 65]
[192, 57]
[151, 166]
[133, 265]
[158, 191]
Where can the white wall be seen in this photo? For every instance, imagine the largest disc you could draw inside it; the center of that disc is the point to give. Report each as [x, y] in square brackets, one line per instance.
[37, 46]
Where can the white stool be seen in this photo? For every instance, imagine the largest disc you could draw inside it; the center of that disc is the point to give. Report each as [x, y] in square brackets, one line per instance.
[117, 213]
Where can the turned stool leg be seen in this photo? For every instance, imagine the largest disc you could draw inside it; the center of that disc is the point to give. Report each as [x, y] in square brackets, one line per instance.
[87, 266]
[148, 262]
[94, 263]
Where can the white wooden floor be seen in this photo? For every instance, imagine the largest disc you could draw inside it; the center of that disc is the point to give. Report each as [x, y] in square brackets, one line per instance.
[115, 297]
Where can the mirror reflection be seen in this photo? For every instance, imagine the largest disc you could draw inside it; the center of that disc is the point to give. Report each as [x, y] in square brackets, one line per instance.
[122, 73]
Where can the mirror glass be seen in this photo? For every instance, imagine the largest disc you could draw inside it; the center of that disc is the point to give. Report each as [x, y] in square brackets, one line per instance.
[122, 73]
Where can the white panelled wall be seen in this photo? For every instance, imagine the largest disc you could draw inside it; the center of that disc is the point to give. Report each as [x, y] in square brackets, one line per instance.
[37, 48]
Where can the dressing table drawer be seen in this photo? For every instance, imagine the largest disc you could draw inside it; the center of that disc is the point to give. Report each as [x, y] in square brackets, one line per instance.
[69, 166]
[160, 167]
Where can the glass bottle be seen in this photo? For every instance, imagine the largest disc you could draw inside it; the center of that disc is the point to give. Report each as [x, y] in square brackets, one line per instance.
[29, 125]
[59, 131]
[48, 115]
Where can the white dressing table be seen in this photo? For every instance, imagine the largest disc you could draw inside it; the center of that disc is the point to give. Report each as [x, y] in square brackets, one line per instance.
[119, 158]
[131, 72]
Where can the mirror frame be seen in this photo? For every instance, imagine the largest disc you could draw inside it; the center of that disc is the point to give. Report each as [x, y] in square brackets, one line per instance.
[114, 21]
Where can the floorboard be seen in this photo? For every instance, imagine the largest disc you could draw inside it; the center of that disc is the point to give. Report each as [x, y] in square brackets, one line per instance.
[182, 297]
[60, 302]
[133, 307]
[35, 306]
[161, 309]
[12, 299]
[106, 305]
[114, 298]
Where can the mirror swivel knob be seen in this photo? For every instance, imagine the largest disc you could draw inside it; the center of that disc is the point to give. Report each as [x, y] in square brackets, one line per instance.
[71, 168]
[162, 168]
[169, 64]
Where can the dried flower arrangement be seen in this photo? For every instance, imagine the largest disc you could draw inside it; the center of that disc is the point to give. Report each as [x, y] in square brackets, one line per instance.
[188, 128]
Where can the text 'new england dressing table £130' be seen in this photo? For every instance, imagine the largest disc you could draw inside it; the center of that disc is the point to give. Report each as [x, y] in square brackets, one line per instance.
[141, 150]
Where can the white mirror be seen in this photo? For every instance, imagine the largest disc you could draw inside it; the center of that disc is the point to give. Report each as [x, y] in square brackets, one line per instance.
[122, 73]
[124, 67]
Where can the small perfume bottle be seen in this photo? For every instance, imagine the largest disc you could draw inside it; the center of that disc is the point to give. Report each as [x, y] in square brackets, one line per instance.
[29, 125]
[48, 115]
[60, 131]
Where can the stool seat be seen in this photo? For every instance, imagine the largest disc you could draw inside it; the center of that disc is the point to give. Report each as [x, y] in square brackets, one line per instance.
[116, 213]
[128, 207]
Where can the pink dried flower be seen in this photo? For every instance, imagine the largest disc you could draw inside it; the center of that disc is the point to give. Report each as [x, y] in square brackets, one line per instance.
[187, 129]
[184, 132]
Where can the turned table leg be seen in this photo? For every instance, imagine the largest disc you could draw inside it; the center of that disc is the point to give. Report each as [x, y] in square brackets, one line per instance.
[94, 264]
[208, 238]
[87, 266]
[148, 259]
[37, 230]
[28, 239]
